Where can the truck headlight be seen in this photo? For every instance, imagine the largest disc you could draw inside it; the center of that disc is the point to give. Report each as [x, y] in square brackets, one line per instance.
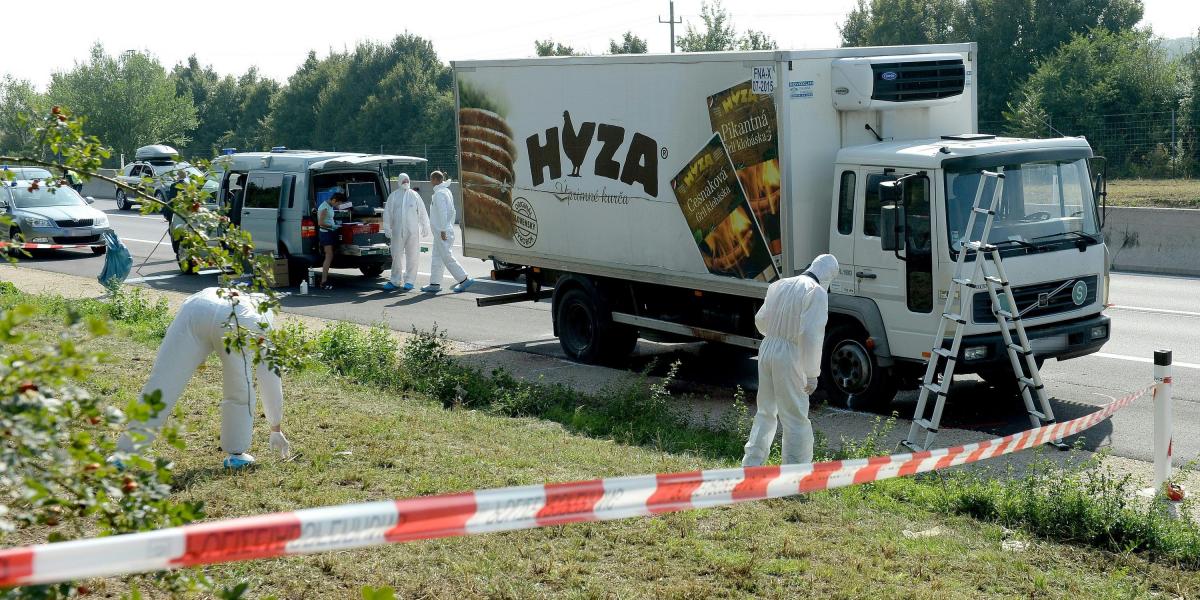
[975, 353]
[38, 222]
[1099, 332]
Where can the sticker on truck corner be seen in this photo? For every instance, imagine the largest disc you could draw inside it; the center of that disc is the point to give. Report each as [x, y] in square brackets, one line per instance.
[800, 89]
[763, 80]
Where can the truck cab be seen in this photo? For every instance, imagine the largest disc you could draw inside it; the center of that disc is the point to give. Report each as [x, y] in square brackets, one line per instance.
[1047, 227]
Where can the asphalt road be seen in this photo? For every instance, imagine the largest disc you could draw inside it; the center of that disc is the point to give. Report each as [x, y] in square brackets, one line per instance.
[1150, 312]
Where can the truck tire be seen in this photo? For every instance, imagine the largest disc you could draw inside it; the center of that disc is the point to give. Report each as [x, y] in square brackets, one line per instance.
[588, 335]
[371, 271]
[850, 373]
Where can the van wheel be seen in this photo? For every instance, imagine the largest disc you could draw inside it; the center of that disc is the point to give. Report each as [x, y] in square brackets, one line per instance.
[185, 264]
[371, 271]
[123, 202]
[850, 373]
[588, 335]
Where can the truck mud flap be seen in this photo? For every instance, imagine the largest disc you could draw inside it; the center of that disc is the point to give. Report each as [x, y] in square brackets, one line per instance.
[700, 333]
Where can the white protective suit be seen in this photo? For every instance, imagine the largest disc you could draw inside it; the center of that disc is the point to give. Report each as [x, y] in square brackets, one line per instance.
[792, 322]
[197, 331]
[441, 216]
[405, 221]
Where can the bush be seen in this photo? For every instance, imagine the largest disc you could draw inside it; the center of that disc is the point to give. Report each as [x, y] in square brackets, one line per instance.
[367, 356]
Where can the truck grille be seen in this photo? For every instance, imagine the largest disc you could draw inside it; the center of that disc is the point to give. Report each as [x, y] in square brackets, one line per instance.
[1027, 295]
[918, 80]
[74, 223]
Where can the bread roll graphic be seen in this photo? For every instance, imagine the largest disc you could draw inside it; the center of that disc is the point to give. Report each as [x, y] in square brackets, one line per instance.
[490, 150]
[487, 212]
[486, 159]
[484, 118]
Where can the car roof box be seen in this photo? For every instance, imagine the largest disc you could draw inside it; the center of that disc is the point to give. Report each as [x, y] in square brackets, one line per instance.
[155, 151]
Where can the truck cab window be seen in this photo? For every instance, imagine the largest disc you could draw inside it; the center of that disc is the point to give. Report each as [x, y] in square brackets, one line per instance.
[845, 222]
[871, 207]
[918, 249]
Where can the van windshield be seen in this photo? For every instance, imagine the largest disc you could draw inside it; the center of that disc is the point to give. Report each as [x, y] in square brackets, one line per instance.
[1042, 201]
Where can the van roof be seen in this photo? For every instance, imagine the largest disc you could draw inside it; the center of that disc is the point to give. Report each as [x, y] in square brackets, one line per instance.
[927, 153]
[303, 160]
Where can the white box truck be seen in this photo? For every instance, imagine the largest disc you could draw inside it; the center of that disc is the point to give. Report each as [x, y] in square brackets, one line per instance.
[658, 196]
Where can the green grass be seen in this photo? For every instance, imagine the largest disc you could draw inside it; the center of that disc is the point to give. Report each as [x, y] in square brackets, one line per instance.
[1159, 193]
[387, 432]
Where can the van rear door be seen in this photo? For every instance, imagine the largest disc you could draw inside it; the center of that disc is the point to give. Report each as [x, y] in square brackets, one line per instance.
[260, 210]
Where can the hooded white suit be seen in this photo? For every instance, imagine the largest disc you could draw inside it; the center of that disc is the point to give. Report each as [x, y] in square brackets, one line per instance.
[405, 221]
[198, 330]
[442, 217]
[792, 321]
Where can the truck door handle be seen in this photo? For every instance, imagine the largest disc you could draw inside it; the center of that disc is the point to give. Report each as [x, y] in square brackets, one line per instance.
[864, 275]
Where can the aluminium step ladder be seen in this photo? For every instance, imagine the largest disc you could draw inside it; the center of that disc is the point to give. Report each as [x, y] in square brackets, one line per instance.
[955, 314]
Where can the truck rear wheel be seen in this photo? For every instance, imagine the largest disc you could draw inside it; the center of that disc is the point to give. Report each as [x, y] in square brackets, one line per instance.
[850, 372]
[587, 334]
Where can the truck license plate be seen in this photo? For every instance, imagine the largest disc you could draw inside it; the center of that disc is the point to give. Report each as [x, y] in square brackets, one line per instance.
[1048, 345]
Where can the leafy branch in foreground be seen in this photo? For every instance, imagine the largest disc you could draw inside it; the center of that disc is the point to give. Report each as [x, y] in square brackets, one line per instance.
[55, 479]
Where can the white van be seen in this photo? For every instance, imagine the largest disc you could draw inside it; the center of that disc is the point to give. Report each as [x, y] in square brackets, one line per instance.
[274, 196]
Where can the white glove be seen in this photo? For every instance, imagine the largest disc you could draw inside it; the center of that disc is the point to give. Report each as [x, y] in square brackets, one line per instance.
[810, 387]
[280, 444]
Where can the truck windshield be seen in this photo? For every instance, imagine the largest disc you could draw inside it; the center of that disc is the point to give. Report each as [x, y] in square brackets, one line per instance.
[1043, 201]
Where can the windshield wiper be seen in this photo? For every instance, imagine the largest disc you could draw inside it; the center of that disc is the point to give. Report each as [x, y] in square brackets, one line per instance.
[1087, 236]
[1021, 243]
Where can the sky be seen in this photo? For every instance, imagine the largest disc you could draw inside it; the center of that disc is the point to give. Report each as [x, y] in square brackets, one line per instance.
[276, 35]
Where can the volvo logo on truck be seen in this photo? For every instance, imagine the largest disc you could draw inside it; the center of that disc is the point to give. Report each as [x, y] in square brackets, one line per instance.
[639, 164]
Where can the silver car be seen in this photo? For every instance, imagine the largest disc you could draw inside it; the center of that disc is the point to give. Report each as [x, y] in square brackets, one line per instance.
[52, 215]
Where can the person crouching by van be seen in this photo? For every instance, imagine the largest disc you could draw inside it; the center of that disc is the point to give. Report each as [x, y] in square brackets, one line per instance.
[327, 232]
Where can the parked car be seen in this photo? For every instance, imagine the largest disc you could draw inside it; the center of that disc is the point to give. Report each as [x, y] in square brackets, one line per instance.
[23, 173]
[158, 163]
[52, 214]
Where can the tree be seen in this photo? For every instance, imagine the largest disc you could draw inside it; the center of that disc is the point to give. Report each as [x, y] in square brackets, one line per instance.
[393, 95]
[630, 44]
[1096, 83]
[1013, 35]
[127, 100]
[756, 40]
[20, 107]
[720, 34]
[552, 48]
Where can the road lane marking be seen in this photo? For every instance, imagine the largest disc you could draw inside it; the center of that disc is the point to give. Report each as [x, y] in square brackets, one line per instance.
[158, 218]
[1161, 311]
[156, 242]
[1143, 359]
[151, 278]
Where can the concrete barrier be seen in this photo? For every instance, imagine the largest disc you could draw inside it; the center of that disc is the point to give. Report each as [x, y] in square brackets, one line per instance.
[101, 189]
[1154, 240]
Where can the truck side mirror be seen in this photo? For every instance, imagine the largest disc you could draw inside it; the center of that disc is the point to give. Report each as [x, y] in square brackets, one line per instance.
[1098, 165]
[891, 215]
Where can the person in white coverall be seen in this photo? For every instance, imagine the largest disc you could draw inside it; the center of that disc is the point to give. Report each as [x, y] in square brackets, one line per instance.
[197, 331]
[792, 322]
[405, 222]
[442, 218]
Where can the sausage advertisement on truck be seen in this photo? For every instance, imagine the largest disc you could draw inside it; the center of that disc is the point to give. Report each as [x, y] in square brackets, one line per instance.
[657, 196]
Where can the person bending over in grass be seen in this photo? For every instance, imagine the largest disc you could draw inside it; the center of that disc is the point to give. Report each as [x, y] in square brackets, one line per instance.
[197, 331]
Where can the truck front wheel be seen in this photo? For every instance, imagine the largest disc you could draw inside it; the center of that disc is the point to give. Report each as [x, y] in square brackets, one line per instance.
[588, 335]
[850, 372]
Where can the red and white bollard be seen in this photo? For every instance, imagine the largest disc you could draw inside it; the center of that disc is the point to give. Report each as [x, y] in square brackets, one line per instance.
[1161, 445]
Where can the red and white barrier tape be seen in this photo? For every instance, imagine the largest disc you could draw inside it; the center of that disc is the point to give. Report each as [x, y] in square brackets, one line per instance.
[25, 246]
[485, 511]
